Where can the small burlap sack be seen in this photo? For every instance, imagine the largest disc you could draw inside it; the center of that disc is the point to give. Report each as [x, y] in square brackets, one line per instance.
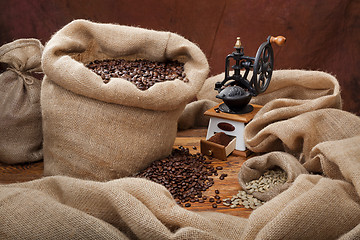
[99, 131]
[253, 168]
[20, 114]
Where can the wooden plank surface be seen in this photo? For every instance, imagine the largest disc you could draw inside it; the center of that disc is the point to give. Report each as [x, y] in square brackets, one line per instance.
[21, 172]
[246, 117]
[188, 138]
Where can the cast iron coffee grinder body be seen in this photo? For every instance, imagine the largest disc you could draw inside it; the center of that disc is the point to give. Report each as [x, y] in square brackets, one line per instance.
[236, 91]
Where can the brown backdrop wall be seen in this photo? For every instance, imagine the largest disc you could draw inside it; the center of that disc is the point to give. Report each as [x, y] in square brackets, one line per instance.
[321, 35]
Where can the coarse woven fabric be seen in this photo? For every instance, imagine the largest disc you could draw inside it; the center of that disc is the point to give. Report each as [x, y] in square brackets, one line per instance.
[289, 122]
[323, 206]
[99, 131]
[303, 130]
[20, 113]
[61, 207]
[193, 114]
[297, 115]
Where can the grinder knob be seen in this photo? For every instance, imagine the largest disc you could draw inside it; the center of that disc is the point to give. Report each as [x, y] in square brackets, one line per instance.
[279, 40]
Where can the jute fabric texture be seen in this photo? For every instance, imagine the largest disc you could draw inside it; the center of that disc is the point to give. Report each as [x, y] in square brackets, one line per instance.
[128, 208]
[20, 113]
[325, 205]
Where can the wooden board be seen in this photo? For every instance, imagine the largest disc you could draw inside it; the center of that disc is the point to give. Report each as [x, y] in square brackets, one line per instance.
[245, 118]
[21, 172]
[189, 138]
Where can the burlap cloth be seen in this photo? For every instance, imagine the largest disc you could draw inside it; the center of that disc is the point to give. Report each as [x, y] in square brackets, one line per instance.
[316, 135]
[99, 131]
[20, 113]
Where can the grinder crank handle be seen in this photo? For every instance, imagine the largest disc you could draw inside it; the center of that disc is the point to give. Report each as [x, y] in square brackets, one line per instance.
[279, 40]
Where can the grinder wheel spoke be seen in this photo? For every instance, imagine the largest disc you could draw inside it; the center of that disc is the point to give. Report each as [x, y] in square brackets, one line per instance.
[263, 67]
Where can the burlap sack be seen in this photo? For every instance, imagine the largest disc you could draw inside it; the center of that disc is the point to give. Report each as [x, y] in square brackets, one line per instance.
[103, 131]
[291, 93]
[254, 167]
[193, 114]
[20, 114]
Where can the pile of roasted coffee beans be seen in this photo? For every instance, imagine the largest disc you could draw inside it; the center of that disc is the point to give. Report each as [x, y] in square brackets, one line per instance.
[187, 176]
[142, 73]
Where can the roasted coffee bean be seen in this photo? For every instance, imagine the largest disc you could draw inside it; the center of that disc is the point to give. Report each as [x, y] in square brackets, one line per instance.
[219, 168]
[218, 201]
[187, 205]
[217, 191]
[211, 200]
[222, 176]
[217, 197]
[214, 205]
[182, 173]
[142, 73]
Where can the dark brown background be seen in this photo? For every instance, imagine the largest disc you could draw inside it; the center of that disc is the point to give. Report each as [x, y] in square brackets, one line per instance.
[321, 35]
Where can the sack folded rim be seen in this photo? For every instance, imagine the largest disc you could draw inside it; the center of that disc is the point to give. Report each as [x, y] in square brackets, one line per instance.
[59, 64]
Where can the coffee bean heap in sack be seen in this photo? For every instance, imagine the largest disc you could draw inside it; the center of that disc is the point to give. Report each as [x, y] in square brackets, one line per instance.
[269, 179]
[185, 175]
[142, 73]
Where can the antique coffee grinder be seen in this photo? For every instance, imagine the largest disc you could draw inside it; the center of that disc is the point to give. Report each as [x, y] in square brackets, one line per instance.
[236, 91]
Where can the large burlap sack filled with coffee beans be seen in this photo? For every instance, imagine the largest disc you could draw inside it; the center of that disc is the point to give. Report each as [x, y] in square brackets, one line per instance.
[20, 114]
[101, 131]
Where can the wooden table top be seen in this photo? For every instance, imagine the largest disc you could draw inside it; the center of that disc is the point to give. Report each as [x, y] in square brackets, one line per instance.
[188, 138]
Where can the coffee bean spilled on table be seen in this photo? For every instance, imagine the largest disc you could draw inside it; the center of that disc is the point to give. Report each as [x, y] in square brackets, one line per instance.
[142, 73]
[185, 175]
